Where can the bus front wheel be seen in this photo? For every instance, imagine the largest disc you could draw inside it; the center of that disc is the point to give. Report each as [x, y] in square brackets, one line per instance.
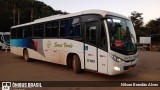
[76, 64]
[26, 56]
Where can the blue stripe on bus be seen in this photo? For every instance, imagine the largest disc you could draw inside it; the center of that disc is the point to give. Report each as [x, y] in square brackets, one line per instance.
[28, 43]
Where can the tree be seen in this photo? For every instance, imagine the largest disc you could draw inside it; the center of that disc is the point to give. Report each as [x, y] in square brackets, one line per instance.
[154, 26]
[13, 12]
[137, 21]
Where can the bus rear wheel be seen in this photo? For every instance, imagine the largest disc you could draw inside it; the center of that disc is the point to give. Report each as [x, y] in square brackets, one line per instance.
[76, 64]
[26, 56]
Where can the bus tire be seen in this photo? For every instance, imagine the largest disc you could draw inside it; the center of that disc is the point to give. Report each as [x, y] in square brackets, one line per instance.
[76, 65]
[26, 56]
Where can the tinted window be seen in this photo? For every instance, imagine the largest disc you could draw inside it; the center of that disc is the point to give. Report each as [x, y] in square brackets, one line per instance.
[64, 28]
[20, 32]
[75, 27]
[7, 38]
[28, 32]
[91, 33]
[36, 29]
[39, 30]
[103, 38]
[13, 33]
[52, 29]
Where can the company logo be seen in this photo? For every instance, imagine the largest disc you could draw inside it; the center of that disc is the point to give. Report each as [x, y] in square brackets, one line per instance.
[20, 85]
[48, 44]
[6, 85]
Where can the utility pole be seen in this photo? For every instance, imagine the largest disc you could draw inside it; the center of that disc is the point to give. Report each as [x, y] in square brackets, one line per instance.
[18, 16]
[32, 10]
[14, 12]
[31, 15]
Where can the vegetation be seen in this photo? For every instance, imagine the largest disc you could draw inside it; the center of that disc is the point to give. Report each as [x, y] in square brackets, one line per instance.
[152, 27]
[13, 12]
[137, 21]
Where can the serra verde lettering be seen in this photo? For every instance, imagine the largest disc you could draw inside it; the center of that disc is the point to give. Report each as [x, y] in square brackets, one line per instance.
[65, 45]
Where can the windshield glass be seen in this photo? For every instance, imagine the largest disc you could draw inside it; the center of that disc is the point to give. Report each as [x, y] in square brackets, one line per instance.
[122, 35]
[7, 38]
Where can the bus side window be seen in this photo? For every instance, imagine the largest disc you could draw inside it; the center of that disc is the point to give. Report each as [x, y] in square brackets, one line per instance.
[55, 26]
[48, 30]
[52, 29]
[20, 32]
[35, 31]
[41, 30]
[13, 33]
[75, 27]
[64, 28]
[28, 32]
[38, 30]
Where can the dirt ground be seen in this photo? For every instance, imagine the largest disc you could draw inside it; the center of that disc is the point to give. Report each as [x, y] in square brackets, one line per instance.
[14, 68]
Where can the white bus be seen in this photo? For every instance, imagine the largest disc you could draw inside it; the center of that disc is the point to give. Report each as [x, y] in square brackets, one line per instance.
[4, 40]
[96, 40]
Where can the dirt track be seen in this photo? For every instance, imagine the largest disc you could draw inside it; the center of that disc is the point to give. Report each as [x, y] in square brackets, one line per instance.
[14, 68]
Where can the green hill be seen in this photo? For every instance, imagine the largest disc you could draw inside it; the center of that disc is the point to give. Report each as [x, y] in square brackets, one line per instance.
[26, 10]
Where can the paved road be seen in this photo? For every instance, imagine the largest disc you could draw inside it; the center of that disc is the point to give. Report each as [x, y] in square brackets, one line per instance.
[14, 68]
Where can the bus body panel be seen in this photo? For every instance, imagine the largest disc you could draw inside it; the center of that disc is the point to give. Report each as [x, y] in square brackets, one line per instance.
[51, 50]
[102, 61]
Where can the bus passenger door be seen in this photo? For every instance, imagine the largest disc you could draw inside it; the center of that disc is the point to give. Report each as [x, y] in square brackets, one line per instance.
[102, 50]
[90, 45]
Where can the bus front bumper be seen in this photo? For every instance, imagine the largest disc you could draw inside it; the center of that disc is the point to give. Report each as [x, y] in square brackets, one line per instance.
[115, 68]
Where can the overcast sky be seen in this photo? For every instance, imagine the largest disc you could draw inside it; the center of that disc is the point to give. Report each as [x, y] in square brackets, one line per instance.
[149, 8]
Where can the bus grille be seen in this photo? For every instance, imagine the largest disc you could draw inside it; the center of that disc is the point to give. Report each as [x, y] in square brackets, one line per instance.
[130, 61]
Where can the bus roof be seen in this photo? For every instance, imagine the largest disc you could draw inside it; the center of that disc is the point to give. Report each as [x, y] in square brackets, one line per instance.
[60, 16]
[5, 33]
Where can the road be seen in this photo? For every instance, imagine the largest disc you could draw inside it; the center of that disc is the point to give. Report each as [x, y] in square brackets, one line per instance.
[14, 68]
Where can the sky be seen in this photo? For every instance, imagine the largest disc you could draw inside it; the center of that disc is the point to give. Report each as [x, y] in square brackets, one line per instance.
[149, 8]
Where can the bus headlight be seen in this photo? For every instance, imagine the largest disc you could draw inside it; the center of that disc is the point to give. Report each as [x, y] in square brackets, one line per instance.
[115, 58]
[116, 68]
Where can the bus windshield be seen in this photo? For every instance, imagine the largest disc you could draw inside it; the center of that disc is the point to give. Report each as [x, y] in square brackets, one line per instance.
[7, 38]
[122, 35]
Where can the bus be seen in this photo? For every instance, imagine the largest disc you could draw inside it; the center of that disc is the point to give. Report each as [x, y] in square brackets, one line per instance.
[4, 40]
[94, 40]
